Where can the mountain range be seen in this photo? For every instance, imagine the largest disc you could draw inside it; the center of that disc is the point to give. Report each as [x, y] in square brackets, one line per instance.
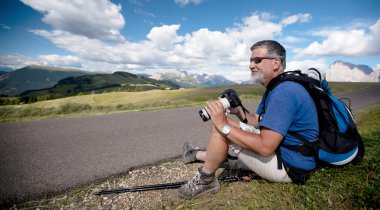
[341, 71]
[36, 80]
[184, 79]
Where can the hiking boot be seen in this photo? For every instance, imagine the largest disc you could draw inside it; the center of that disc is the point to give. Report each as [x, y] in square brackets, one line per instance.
[189, 153]
[200, 184]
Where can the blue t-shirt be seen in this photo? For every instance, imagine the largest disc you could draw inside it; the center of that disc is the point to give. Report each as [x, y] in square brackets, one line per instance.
[290, 108]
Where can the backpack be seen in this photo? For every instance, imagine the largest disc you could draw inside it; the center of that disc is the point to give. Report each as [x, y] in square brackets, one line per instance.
[339, 142]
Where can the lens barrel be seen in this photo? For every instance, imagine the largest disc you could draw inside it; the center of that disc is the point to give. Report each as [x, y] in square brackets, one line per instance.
[204, 115]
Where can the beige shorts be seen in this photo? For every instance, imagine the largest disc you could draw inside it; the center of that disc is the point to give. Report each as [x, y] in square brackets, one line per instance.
[265, 167]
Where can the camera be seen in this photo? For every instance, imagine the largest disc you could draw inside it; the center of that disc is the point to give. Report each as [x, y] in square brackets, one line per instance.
[228, 98]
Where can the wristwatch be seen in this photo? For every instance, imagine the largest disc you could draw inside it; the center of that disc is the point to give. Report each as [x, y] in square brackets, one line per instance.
[226, 129]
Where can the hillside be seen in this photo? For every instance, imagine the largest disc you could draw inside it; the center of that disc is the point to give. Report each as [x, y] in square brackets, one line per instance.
[3, 73]
[119, 81]
[34, 77]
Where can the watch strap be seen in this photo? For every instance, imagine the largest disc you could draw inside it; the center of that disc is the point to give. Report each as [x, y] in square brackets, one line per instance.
[226, 129]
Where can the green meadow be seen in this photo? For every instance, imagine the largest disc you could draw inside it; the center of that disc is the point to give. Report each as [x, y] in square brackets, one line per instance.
[95, 104]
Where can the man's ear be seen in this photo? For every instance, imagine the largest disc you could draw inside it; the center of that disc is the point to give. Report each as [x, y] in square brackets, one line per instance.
[277, 64]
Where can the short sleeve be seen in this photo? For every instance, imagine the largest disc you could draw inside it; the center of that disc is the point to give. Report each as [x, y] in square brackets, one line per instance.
[279, 112]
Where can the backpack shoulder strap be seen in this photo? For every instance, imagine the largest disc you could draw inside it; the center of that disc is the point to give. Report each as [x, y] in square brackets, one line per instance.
[295, 76]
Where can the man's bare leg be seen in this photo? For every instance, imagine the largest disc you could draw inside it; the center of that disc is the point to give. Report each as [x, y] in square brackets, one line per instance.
[216, 153]
[201, 155]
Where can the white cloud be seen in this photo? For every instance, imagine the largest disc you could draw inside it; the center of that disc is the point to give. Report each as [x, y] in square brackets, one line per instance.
[255, 28]
[164, 36]
[57, 60]
[100, 19]
[19, 61]
[186, 2]
[302, 18]
[303, 65]
[15, 61]
[293, 39]
[142, 12]
[5, 26]
[204, 43]
[353, 42]
[202, 50]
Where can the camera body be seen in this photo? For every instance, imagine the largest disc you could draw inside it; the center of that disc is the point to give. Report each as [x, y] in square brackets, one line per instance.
[228, 98]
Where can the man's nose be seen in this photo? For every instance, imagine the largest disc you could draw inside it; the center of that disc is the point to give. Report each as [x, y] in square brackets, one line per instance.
[252, 65]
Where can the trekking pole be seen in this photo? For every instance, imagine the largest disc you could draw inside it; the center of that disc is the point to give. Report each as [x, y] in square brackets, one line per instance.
[162, 186]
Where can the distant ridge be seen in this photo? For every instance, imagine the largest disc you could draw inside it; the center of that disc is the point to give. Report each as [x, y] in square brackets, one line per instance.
[341, 71]
[118, 81]
[185, 79]
[35, 77]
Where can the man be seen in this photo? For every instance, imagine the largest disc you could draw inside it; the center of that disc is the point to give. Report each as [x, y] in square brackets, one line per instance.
[288, 109]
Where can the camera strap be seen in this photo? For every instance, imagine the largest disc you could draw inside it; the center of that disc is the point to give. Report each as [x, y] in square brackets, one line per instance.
[245, 113]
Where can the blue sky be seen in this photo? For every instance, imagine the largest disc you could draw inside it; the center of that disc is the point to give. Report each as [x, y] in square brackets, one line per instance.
[198, 36]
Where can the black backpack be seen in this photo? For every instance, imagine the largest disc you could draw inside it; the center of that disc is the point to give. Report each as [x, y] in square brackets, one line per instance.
[339, 142]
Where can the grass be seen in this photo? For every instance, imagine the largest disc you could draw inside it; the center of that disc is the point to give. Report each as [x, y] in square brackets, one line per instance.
[351, 187]
[139, 101]
[121, 102]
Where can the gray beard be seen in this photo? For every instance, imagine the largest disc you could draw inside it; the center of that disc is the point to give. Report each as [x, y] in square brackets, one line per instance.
[257, 78]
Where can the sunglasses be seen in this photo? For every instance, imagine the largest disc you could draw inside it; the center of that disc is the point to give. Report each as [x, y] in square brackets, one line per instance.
[258, 60]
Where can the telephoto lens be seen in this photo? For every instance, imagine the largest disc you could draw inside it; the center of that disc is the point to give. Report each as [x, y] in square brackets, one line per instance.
[204, 115]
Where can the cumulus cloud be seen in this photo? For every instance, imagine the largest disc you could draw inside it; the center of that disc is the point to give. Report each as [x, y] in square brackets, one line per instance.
[199, 51]
[164, 36]
[19, 61]
[303, 65]
[97, 19]
[352, 42]
[58, 60]
[186, 2]
[254, 28]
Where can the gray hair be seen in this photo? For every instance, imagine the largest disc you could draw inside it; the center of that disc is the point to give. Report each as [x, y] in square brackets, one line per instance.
[274, 49]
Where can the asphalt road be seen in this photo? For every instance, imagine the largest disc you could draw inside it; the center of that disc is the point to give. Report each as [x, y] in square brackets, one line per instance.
[41, 158]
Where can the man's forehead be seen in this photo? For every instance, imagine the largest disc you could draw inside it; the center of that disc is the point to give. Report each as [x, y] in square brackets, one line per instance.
[259, 52]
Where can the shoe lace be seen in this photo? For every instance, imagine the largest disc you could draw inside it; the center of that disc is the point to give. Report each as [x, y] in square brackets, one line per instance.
[194, 182]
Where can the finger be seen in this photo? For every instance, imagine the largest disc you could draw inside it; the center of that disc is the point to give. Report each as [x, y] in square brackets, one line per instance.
[212, 105]
[212, 108]
[209, 108]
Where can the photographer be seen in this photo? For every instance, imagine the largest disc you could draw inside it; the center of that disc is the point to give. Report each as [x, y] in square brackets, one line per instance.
[288, 109]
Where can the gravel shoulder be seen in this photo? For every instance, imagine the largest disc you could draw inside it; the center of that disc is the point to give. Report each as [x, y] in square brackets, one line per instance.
[85, 198]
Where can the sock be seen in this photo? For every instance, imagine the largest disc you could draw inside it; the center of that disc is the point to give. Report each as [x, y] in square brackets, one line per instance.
[206, 174]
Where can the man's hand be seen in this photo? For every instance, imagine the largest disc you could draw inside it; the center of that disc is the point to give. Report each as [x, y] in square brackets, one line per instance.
[216, 111]
[236, 110]
[239, 112]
